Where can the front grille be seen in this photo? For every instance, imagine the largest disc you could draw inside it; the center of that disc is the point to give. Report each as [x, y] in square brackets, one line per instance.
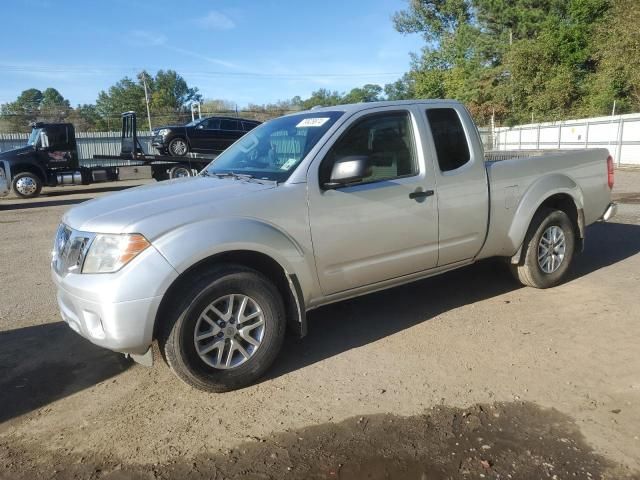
[69, 249]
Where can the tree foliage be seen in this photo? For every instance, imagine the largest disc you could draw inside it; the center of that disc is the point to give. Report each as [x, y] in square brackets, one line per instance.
[517, 58]
[34, 105]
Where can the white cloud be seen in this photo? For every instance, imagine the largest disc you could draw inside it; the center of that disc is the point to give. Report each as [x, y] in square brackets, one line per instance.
[215, 20]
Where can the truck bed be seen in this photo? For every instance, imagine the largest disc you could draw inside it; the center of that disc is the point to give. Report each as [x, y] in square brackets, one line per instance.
[500, 155]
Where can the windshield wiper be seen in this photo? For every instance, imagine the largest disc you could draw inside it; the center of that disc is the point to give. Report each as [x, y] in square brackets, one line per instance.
[240, 176]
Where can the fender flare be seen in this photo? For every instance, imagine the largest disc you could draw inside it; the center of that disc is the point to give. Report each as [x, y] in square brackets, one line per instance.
[535, 196]
[191, 244]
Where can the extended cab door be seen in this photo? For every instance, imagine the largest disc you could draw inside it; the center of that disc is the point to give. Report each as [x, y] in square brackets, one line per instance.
[377, 230]
[463, 193]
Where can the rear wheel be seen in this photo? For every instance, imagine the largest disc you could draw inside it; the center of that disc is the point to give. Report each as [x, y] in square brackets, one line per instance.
[178, 147]
[179, 171]
[548, 250]
[26, 185]
[225, 330]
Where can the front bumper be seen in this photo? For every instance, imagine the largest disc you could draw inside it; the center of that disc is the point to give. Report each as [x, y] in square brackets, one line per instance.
[158, 142]
[118, 310]
[610, 212]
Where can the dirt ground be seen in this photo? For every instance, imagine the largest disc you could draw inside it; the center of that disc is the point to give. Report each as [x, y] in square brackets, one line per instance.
[465, 375]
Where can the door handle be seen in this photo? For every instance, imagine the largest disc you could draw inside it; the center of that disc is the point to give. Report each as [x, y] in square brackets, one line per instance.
[418, 194]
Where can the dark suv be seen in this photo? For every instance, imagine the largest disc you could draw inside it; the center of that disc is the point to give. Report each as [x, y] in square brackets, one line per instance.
[206, 135]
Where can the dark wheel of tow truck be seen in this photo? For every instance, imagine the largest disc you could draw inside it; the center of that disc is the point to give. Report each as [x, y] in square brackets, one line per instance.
[179, 171]
[26, 185]
[178, 147]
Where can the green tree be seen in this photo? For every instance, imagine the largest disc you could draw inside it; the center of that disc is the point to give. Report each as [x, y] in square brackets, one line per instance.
[401, 89]
[34, 105]
[23, 111]
[54, 107]
[617, 45]
[169, 97]
[366, 93]
[322, 97]
[508, 57]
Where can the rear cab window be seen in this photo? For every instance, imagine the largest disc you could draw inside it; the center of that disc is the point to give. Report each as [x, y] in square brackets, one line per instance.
[449, 138]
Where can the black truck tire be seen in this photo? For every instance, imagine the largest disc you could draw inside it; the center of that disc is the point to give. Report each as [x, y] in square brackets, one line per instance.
[224, 329]
[180, 171]
[26, 185]
[547, 251]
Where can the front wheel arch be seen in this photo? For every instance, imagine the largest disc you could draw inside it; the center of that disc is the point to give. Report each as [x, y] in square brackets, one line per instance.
[287, 285]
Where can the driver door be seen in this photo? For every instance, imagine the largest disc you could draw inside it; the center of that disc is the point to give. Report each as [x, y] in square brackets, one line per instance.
[378, 229]
[203, 137]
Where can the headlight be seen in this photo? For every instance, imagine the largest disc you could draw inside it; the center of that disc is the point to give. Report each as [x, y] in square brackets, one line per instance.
[163, 131]
[109, 253]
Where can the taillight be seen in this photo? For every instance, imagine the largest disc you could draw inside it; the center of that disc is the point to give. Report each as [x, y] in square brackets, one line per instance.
[610, 171]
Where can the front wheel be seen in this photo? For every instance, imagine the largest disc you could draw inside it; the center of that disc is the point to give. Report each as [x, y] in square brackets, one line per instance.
[225, 329]
[26, 185]
[178, 147]
[548, 250]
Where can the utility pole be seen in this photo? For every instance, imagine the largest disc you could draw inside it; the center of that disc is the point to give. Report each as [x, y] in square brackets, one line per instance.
[146, 98]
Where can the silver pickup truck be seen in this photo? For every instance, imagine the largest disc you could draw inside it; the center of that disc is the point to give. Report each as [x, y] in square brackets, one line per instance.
[309, 209]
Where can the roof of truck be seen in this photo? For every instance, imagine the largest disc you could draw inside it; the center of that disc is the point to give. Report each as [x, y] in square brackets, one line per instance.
[356, 107]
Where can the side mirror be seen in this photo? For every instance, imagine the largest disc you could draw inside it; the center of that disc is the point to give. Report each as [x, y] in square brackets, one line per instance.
[348, 170]
[44, 140]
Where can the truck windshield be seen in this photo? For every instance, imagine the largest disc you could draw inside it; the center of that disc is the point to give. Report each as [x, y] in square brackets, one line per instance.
[34, 137]
[273, 150]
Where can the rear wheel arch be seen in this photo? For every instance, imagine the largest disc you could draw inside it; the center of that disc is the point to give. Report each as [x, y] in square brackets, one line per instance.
[566, 203]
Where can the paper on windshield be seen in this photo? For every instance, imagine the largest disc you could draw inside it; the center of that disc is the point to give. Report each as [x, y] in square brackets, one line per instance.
[313, 122]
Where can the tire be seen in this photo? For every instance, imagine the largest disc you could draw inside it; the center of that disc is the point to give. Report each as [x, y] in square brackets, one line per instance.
[550, 231]
[179, 171]
[195, 360]
[26, 185]
[178, 147]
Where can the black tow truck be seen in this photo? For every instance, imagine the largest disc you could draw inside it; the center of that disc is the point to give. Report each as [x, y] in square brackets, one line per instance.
[51, 159]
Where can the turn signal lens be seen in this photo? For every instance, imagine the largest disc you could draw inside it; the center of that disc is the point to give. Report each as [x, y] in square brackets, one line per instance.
[109, 253]
[610, 172]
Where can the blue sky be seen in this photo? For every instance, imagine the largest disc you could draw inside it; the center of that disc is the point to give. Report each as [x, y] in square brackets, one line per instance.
[294, 47]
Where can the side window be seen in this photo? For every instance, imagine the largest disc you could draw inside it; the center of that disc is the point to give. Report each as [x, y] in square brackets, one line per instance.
[57, 137]
[386, 138]
[247, 126]
[228, 125]
[449, 138]
[212, 124]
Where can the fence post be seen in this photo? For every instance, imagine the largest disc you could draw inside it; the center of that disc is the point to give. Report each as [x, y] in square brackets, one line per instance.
[620, 137]
[559, 136]
[586, 136]
[519, 138]
[538, 138]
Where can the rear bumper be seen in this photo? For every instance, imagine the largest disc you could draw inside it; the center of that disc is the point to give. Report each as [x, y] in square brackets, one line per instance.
[610, 212]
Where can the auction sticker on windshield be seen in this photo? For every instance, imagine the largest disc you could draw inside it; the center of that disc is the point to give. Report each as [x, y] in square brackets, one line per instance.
[313, 122]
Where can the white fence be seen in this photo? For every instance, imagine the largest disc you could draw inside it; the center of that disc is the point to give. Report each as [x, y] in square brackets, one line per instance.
[89, 143]
[620, 134]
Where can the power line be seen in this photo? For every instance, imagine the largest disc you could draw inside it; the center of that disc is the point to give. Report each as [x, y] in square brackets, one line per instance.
[85, 70]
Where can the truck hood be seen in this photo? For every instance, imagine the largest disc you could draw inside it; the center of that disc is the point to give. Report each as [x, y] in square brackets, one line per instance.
[157, 208]
[6, 155]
